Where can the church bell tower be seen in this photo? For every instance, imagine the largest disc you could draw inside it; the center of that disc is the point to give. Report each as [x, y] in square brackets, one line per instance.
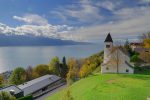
[107, 47]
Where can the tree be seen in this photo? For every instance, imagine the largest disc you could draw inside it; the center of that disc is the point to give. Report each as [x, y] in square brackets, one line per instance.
[147, 43]
[54, 66]
[18, 76]
[29, 73]
[63, 68]
[73, 70]
[146, 40]
[87, 68]
[64, 61]
[115, 57]
[6, 96]
[41, 70]
[127, 45]
[67, 96]
[1, 80]
[145, 56]
[84, 71]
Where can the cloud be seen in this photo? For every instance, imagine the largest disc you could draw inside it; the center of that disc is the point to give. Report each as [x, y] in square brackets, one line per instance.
[145, 1]
[82, 11]
[51, 31]
[32, 19]
[107, 5]
[93, 23]
[131, 21]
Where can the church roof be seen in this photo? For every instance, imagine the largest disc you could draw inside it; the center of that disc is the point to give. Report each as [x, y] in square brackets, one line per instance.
[108, 38]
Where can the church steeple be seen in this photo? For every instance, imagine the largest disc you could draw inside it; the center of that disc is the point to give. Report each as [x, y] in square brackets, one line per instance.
[108, 38]
[107, 48]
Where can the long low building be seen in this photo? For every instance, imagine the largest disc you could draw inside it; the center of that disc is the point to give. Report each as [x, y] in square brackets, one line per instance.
[36, 87]
[41, 85]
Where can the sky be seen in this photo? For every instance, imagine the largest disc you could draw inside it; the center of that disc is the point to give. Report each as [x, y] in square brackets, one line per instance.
[78, 20]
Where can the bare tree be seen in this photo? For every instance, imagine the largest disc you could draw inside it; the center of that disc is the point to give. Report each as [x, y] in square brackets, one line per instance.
[115, 58]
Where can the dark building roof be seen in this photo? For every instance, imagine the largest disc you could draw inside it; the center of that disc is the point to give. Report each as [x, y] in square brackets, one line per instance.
[108, 38]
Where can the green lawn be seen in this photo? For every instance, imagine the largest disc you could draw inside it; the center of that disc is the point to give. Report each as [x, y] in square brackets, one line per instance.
[109, 87]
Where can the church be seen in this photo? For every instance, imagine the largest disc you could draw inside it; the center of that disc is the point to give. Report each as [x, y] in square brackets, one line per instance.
[116, 60]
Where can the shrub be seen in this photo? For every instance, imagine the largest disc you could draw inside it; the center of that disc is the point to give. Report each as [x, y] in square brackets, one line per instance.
[134, 58]
[6, 96]
[29, 97]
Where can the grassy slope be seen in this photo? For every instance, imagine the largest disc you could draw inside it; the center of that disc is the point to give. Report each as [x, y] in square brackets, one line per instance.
[109, 87]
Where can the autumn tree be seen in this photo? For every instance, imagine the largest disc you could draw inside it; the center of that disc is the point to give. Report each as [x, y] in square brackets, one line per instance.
[29, 73]
[84, 71]
[1, 80]
[18, 76]
[41, 70]
[87, 69]
[73, 70]
[146, 40]
[147, 43]
[67, 95]
[145, 56]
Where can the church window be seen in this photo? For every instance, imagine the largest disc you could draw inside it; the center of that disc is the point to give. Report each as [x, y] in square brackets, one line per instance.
[107, 68]
[127, 70]
[107, 46]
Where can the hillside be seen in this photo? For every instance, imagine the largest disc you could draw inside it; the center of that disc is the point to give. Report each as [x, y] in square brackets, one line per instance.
[109, 87]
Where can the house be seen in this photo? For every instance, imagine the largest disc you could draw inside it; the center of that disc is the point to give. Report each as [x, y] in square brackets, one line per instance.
[41, 85]
[13, 90]
[136, 45]
[116, 60]
[144, 53]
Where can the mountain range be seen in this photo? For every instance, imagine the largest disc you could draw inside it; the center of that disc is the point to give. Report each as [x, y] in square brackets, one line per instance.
[30, 40]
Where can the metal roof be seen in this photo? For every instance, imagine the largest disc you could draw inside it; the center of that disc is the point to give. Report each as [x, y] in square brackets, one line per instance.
[38, 83]
[10, 88]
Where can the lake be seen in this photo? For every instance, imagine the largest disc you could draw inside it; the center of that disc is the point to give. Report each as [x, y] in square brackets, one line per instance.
[12, 57]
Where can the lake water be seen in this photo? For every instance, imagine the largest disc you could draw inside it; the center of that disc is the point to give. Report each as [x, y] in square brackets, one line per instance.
[12, 57]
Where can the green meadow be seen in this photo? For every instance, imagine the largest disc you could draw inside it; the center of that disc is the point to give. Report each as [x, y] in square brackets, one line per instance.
[109, 87]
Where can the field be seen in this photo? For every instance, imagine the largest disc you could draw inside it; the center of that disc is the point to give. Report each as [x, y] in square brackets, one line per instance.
[109, 87]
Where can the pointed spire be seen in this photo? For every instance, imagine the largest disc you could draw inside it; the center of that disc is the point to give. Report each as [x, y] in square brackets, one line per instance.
[108, 38]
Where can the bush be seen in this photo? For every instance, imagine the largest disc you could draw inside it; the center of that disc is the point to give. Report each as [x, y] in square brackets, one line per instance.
[29, 97]
[6, 96]
[134, 58]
